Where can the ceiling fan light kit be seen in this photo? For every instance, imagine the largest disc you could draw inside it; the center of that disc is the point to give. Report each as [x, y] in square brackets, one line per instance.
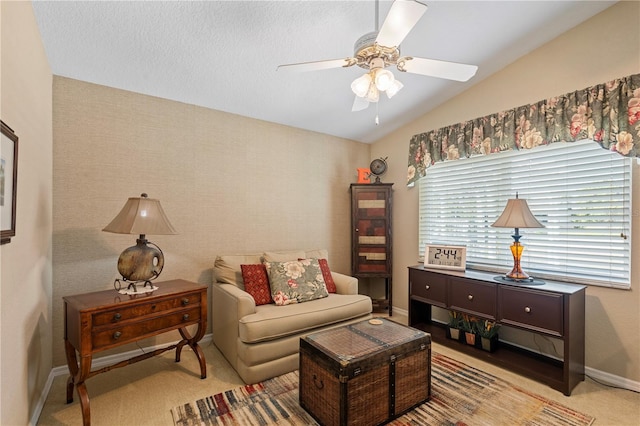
[369, 85]
[377, 50]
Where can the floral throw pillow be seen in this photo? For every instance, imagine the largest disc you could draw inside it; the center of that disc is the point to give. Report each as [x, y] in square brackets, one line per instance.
[296, 281]
[256, 283]
[326, 274]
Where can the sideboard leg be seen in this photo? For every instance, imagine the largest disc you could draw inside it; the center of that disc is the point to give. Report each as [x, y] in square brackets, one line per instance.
[193, 344]
[83, 395]
[72, 363]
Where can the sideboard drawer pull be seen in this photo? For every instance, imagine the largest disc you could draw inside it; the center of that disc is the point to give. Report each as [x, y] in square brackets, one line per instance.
[185, 317]
[185, 301]
[117, 316]
[117, 335]
[527, 309]
[470, 297]
[427, 287]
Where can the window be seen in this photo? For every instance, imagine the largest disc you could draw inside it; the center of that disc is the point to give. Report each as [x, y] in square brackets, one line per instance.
[579, 191]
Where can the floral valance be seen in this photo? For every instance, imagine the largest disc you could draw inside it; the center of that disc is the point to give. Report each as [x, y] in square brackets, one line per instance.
[608, 113]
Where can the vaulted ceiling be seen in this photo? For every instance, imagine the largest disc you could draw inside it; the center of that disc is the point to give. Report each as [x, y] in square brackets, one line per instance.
[224, 54]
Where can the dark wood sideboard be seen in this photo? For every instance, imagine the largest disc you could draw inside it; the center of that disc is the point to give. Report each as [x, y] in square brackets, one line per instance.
[551, 309]
[94, 322]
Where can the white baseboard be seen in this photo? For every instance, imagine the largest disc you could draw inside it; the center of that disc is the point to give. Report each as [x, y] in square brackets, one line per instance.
[95, 364]
[612, 380]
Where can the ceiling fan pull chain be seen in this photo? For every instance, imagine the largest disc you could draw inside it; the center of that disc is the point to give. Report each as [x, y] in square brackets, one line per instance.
[377, 109]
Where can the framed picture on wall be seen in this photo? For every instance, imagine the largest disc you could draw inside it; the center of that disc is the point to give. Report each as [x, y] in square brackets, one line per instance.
[8, 183]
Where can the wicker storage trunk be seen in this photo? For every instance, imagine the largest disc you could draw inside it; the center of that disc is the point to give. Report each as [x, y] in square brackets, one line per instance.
[364, 374]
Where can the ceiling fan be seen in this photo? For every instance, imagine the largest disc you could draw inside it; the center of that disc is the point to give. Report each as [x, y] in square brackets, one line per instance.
[377, 50]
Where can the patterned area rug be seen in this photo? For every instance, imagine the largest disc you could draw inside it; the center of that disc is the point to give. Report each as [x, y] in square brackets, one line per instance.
[461, 395]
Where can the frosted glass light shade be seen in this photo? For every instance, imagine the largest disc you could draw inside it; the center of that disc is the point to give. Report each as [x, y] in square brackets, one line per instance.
[360, 85]
[394, 88]
[384, 79]
[373, 95]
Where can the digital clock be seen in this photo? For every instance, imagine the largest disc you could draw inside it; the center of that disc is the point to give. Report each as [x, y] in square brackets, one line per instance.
[445, 257]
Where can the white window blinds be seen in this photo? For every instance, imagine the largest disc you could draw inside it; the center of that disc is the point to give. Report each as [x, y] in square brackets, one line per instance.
[579, 191]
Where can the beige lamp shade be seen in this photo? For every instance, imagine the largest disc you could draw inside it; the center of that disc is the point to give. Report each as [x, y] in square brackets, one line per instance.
[141, 215]
[516, 214]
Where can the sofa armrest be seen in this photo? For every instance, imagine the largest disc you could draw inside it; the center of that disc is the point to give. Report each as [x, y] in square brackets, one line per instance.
[229, 305]
[345, 284]
[243, 303]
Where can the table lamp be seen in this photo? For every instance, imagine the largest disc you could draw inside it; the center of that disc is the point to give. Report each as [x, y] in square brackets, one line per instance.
[144, 261]
[517, 215]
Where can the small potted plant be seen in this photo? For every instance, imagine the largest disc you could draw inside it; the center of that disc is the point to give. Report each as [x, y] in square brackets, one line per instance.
[469, 328]
[488, 331]
[455, 322]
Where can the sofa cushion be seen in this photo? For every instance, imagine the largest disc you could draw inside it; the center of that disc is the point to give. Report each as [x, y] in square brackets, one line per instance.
[256, 283]
[318, 254]
[227, 268]
[273, 322]
[283, 256]
[296, 281]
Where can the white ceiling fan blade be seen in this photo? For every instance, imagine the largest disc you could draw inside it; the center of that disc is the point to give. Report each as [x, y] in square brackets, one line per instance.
[435, 68]
[402, 17]
[359, 104]
[318, 65]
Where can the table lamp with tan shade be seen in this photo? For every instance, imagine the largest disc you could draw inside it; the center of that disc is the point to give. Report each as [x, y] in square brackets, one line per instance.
[144, 261]
[517, 215]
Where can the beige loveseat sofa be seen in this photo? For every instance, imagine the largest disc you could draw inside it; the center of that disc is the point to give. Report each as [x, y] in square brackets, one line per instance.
[263, 341]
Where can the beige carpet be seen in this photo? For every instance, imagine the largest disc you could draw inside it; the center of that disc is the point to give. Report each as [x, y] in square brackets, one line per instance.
[461, 395]
[144, 393]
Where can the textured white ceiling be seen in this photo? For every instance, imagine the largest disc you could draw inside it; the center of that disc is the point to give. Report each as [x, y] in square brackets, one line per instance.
[223, 54]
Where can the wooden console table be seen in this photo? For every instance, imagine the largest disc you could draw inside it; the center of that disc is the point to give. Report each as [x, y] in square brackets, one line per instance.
[552, 308]
[94, 322]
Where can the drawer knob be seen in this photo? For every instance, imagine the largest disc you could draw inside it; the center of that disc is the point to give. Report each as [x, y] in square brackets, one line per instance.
[185, 301]
[427, 287]
[527, 309]
[470, 297]
[117, 316]
[117, 335]
[185, 317]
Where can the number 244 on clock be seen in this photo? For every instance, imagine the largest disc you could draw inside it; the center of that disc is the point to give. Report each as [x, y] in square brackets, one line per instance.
[445, 257]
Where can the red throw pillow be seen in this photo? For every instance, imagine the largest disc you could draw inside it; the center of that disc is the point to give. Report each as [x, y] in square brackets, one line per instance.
[326, 274]
[256, 283]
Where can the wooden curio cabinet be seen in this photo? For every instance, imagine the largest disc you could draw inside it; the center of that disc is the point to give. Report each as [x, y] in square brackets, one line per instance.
[371, 238]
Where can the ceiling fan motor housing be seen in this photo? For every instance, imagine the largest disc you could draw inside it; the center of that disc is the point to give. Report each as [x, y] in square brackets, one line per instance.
[365, 50]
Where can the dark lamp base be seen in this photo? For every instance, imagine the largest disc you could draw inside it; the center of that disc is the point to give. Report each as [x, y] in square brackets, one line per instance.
[140, 264]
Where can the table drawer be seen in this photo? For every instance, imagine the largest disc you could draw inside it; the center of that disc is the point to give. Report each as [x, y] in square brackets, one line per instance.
[118, 335]
[432, 288]
[528, 308]
[134, 311]
[473, 297]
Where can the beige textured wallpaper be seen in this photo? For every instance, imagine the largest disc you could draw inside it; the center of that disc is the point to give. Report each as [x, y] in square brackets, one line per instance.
[575, 60]
[229, 184]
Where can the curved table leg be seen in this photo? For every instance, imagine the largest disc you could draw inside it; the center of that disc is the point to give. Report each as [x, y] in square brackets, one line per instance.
[79, 373]
[187, 339]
